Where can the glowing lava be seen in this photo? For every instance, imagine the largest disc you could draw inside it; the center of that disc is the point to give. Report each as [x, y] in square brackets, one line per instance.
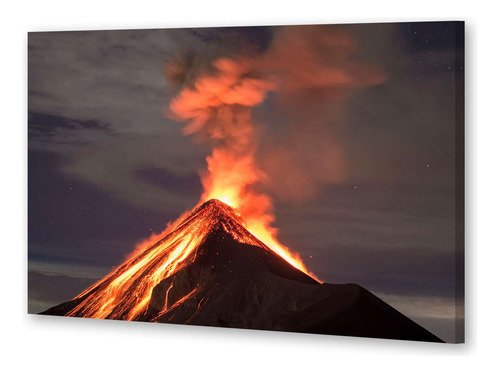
[126, 292]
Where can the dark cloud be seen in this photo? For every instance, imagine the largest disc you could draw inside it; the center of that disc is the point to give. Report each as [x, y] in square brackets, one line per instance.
[348, 233]
[178, 184]
[41, 125]
[45, 291]
[73, 221]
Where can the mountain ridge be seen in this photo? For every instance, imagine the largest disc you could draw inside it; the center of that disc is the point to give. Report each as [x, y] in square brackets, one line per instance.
[232, 279]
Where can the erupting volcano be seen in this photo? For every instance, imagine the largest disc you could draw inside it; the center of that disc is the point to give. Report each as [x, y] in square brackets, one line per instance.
[221, 264]
[209, 270]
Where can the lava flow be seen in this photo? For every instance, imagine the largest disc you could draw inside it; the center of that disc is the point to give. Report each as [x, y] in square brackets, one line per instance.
[126, 292]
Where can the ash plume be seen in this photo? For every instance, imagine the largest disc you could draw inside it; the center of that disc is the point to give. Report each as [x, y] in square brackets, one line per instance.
[310, 70]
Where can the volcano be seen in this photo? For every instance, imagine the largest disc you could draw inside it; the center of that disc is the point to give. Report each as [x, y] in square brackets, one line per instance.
[210, 270]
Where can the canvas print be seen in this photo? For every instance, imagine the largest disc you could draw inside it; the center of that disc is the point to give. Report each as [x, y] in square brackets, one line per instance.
[290, 178]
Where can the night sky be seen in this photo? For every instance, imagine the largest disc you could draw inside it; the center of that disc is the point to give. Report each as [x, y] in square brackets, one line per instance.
[107, 168]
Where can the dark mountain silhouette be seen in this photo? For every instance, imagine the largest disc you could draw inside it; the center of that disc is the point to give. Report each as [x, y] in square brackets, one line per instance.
[231, 279]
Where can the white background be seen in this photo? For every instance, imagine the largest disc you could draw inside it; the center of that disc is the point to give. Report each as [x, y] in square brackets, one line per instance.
[31, 343]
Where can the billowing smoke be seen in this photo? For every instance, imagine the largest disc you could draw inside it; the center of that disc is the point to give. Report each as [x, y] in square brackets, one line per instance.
[315, 69]
[309, 70]
[219, 107]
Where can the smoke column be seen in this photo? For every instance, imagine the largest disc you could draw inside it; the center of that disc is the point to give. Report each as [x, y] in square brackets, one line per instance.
[218, 105]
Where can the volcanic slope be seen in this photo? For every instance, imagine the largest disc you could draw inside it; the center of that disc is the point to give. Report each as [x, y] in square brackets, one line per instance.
[209, 270]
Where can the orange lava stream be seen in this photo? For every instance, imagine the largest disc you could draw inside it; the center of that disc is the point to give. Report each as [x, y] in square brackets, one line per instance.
[126, 292]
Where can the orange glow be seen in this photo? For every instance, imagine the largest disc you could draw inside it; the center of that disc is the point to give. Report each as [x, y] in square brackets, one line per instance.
[126, 292]
[229, 180]
[219, 106]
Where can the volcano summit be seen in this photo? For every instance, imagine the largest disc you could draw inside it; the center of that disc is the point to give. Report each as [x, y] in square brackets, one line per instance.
[210, 270]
